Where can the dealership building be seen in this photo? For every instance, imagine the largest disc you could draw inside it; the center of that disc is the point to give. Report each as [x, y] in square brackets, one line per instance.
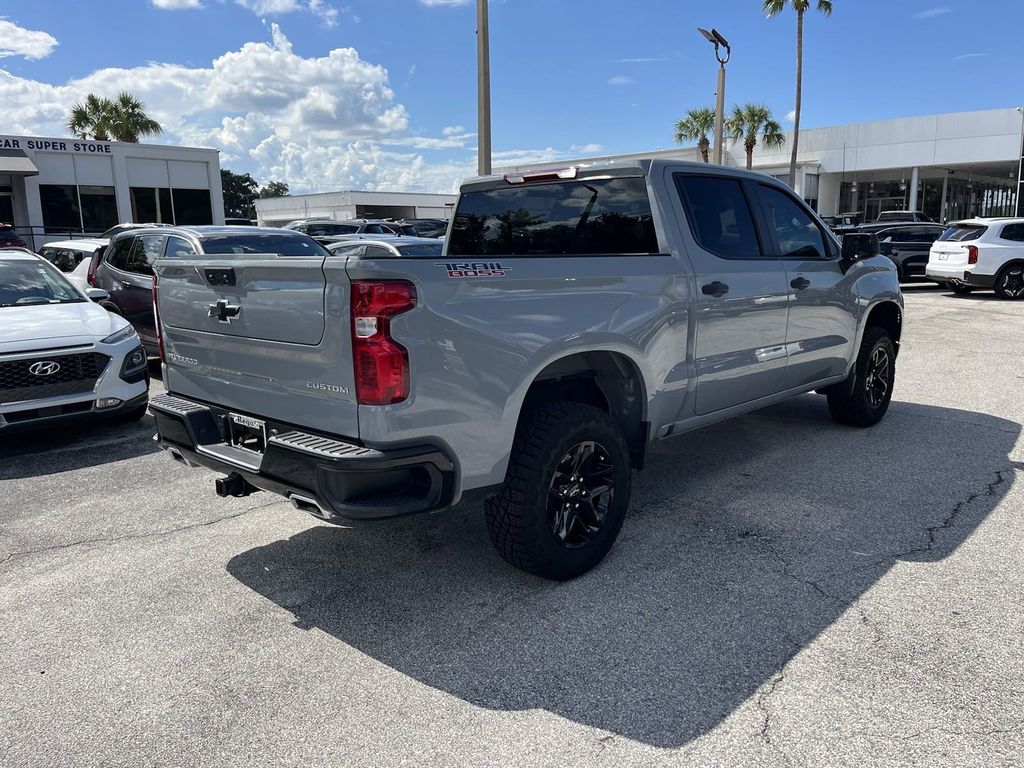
[278, 211]
[54, 189]
[950, 166]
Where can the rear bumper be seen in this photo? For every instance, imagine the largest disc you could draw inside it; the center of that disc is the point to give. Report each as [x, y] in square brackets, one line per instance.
[329, 477]
[959, 275]
[43, 416]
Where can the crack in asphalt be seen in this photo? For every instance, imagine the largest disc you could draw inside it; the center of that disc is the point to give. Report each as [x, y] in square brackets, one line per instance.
[1017, 727]
[129, 537]
[768, 544]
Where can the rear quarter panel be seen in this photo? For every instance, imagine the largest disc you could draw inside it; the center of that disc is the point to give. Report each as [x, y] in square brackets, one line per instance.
[477, 344]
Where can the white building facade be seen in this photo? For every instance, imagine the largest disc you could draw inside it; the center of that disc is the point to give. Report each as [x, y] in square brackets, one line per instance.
[950, 166]
[338, 206]
[57, 188]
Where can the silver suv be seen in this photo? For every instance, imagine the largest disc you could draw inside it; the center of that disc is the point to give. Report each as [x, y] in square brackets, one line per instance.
[575, 317]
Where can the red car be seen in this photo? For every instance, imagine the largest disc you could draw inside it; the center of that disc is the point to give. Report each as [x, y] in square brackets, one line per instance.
[9, 238]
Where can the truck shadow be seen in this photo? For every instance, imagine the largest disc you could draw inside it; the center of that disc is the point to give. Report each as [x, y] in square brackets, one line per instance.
[745, 541]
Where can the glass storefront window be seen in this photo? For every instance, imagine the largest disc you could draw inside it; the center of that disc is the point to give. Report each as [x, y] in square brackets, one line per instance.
[99, 208]
[192, 206]
[60, 208]
[152, 205]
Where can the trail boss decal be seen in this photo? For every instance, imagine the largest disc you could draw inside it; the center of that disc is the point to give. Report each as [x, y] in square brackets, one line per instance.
[474, 269]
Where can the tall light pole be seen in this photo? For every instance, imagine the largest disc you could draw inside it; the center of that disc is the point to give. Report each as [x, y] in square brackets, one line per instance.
[716, 39]
[483, 91]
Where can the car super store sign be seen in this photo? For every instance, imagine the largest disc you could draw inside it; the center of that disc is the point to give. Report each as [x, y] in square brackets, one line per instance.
[55, 145]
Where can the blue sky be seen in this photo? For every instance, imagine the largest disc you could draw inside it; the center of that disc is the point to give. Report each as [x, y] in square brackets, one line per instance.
[258, 79]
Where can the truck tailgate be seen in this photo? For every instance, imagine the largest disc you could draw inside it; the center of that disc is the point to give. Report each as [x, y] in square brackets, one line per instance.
[261, 334]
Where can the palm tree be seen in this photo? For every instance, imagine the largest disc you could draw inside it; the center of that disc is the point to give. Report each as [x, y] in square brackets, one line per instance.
[747, 121]
[696, 126]
[91, 118]
[120, 119]
[773, 8]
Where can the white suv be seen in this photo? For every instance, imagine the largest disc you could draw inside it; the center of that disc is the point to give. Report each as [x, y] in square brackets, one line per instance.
[62, 356]
[980, 253]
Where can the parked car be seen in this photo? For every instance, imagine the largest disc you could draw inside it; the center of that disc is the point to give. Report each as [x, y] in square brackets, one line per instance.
[62, 356]
[894, 217]
[428, 227]
[73, 258]
[571, 322]
[9, 238]
[128, 226]
[908, 245]
[842, 223]
[398, 228]
[296, 222]
[234, 222]
[335, 228]
[370, 247]
[980, 253]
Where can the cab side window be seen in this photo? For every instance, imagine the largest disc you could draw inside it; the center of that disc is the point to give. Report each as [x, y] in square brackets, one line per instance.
[1013, 232]
[719, 215]
[796, 233]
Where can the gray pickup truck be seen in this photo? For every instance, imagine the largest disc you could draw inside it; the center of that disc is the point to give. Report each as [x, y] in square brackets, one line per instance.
[576, 317]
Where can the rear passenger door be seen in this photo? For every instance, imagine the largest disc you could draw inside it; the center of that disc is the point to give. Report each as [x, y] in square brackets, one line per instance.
[742, 296]
[822, 312]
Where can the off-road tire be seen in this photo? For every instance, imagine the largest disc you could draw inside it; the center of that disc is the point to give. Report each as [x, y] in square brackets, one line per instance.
[518, 518]
[859, 409]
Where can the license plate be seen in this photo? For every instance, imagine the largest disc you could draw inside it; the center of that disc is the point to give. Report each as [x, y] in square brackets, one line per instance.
[942, 256]
[247, 432]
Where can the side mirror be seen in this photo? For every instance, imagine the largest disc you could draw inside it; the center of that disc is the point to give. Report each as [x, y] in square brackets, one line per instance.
[859, 245]
[96, 294]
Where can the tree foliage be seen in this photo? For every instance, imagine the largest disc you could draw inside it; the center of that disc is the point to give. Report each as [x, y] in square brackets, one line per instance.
[241, 191]
[747, 121]
[122, 118]
[695, 126]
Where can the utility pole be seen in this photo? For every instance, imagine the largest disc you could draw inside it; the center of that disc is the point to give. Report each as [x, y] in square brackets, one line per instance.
[715, 38]
[483, 60]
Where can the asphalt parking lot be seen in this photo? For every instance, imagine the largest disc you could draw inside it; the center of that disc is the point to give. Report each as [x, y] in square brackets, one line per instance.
[785, 592]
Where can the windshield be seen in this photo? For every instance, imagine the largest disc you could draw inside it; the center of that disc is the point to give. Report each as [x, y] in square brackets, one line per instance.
[421, 249]
[959, 232]
[24, 282]
[294, 244]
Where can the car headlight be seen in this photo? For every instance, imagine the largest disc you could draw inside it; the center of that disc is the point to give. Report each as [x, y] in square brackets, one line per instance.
[128, 332]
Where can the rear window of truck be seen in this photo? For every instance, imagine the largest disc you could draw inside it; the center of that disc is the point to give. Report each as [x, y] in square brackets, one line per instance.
[282, 245]
[587, 216]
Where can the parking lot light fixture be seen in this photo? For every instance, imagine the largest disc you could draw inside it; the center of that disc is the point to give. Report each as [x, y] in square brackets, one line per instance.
[716, 39]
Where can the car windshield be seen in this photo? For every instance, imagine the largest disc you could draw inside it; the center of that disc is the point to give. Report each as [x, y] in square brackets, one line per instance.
[64, 259]
[294, 244]
[24, 282]
[960, 232]
[421, 249]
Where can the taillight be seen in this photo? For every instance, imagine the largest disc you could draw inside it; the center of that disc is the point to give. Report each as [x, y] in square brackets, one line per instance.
[972, 254]
[94, 263]
[156, 322]
[381, 363]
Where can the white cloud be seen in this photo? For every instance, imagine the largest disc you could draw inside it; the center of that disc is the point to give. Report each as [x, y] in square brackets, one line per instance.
[620, 80]
[586, 149]
[965, 56]
[318, 123]
[327, 13]
[30, 43]
[791, 116]
[931, 13]
[647, 60]
[434, 3]
[174, 5]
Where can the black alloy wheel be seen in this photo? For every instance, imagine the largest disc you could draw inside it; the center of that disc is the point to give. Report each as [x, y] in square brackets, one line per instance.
[878, 379]
[1010, 283]
[581, 493]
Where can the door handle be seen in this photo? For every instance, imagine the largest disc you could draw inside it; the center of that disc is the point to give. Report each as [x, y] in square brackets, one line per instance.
[126, 284]
[715, 289]
[800, 283]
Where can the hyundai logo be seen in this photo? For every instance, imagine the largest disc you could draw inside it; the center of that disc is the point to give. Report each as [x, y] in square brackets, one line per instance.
[44, 368]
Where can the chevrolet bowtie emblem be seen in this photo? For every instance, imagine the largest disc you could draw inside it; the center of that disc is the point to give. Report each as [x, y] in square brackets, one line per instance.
[225, 312]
